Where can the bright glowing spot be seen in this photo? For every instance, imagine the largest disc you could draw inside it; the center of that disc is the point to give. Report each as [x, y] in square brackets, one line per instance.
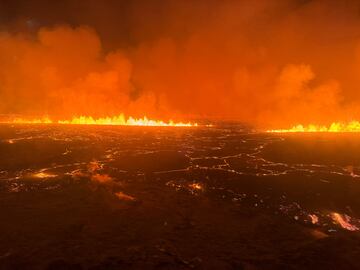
[314, 218]
[353, 126]
[43, 175]
[196, 186]
[344, 221]
[124, 197]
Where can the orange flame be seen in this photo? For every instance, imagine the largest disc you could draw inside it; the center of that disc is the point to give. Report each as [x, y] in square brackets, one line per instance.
[353, 126]
[119, 120]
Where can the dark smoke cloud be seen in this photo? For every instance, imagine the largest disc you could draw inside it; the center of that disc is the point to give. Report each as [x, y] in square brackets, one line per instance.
[265, 62]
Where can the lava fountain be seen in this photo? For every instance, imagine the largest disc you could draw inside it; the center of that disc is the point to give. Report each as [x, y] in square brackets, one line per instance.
[353, 126]
[119, 120]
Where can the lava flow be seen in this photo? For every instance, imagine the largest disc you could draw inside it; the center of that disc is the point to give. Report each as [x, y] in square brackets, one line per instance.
[119, 120]
[353, 126]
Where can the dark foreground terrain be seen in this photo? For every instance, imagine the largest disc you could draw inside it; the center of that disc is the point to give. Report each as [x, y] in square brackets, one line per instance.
[77, 197]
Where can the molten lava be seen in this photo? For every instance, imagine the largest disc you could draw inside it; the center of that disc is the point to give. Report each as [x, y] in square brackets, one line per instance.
[344, 221]
[353, 126]
[119, 120]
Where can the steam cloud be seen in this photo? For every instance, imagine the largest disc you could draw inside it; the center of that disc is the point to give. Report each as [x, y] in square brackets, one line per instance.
[269, 63]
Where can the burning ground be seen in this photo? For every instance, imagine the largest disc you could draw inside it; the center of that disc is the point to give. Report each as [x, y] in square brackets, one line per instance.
[221, 197]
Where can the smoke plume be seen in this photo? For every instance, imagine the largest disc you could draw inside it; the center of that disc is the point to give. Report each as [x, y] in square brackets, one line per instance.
[269, 63]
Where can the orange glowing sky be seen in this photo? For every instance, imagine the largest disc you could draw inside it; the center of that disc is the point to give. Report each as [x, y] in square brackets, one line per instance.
[271, 63]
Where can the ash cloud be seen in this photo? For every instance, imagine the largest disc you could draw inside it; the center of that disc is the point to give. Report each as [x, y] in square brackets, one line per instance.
[63, 71]
[269, 63]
